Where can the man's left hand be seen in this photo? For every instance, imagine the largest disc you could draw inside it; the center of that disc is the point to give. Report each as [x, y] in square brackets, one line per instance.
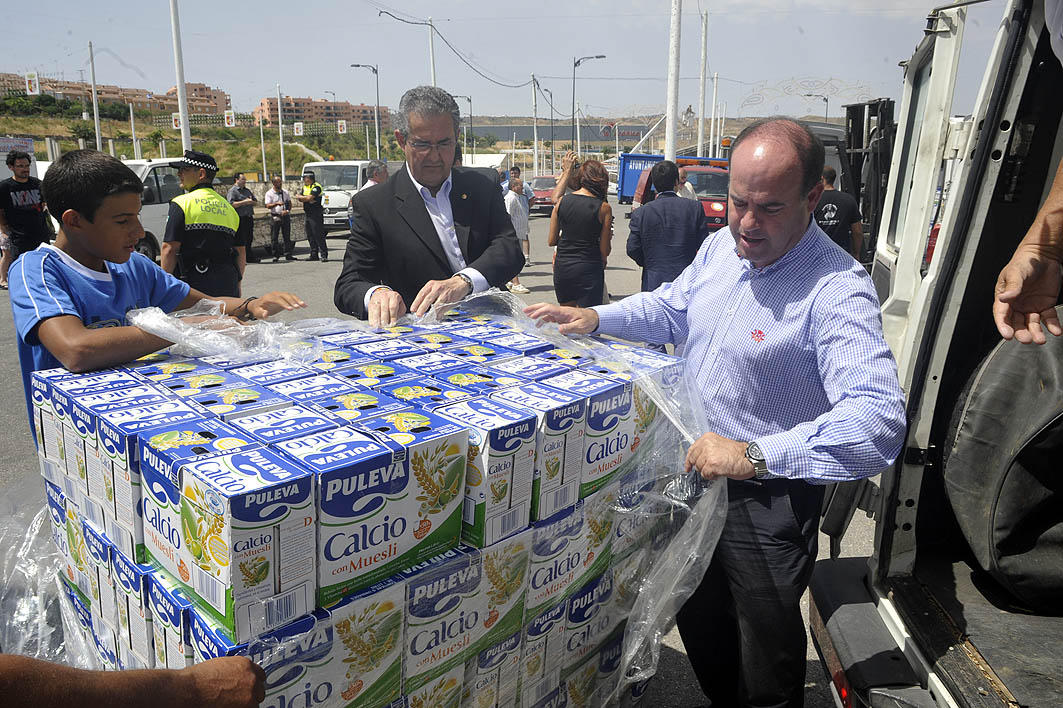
[715, 456]
[439, 291]
[272, 303]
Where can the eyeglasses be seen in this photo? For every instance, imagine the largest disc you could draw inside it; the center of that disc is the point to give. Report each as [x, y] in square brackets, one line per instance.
[424, 147]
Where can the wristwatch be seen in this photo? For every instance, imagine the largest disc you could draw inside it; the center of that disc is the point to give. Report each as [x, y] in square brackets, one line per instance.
[756, 458]
[468, 281]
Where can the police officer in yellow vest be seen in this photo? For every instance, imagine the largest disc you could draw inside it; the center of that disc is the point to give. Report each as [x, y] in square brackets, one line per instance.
[314, 211]
[200, 245]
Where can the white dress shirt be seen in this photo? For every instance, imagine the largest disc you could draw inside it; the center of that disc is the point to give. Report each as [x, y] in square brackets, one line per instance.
[442, 216]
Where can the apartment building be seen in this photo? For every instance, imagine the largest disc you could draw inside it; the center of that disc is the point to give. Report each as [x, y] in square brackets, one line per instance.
[202, 99]
[312, 110]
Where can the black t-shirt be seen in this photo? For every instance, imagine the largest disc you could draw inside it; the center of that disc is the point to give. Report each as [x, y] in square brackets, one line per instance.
[314, 208]
[836, 212]
[23, 208]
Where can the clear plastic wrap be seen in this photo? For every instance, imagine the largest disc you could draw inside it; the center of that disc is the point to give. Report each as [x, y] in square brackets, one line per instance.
[678, 516]
[202, 330]
[37, 621]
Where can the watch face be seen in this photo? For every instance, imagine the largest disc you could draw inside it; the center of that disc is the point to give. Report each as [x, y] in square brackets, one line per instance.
[754, 453]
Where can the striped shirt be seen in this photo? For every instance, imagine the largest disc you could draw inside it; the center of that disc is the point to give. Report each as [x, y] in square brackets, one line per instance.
[790, 355]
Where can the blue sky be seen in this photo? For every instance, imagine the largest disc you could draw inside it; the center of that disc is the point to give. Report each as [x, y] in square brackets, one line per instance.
[767, 52]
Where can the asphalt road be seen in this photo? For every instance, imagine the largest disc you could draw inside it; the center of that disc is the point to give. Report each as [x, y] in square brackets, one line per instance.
[675, 685]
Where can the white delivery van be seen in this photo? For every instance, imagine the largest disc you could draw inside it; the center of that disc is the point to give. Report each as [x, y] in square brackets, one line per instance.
[339, 179]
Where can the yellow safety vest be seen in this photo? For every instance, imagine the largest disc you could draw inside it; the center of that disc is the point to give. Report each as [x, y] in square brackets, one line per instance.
[307, 188]
[210, 224]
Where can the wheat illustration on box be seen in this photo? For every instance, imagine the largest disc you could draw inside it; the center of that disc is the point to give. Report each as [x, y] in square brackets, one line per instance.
[254, 571]
[202, 533]
[645, 415]
[506, 570]
[446, 693]
[439, 473]
[370, 637]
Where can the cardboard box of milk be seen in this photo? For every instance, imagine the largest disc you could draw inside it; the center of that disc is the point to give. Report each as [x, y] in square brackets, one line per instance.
[479, 379]
[376, 373]
[558, 552]
[170, 623]
[443, 691]
[544, 643]
[240, 400]
[445, 609]
[387, 349]
[432, 341]
[98, 567]
[208, 637]
[336, 357]
[318, 386]
[592, 617]
[254, 542]
[367, 510]
[273, 372]
[298, 662]
[492, 676]
[501, 462]
[426, 393]
[42, 412]
[277, 425]
[521, 342]
[610, 428]
[560, 421]
[352, 407]
[170, 536]
[506, 570]
[482, 353]
[436, 456]
[131, 584]
[368, 645]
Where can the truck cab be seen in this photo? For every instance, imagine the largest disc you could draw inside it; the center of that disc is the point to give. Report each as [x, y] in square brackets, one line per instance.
[960, 602]
[339, 180]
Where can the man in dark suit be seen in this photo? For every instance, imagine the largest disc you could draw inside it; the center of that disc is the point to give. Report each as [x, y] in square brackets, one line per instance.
[430, 234]
[665, 234]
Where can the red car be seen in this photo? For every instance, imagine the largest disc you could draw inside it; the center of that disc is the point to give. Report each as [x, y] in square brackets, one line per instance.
[709, 183]
[543, 187]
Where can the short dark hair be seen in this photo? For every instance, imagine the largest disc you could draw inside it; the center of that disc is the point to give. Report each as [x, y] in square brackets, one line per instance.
[238, 175]
[809, 147]
[593, 177]
[513, 169]
[829, 174]
[16, 155]
[665, 176]
[82, 179]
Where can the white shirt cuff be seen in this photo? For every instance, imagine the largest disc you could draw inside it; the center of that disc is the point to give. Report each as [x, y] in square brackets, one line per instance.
[479, 282]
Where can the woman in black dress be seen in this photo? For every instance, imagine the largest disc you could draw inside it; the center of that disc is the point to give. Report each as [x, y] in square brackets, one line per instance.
[581, 228]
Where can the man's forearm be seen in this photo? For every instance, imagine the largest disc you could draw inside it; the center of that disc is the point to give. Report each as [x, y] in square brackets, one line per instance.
[1046, 232]
[95, 349]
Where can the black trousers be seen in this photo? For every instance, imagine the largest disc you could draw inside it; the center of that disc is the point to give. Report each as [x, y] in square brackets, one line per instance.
[315, 234]
[245, 234]
[276, 227]
[219, 280]
[742, 628]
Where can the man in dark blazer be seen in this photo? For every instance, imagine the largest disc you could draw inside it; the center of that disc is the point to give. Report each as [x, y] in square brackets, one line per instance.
[665, 234]
[430, 234]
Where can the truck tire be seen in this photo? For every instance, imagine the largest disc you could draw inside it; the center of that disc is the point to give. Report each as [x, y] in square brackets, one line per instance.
[1003, 473]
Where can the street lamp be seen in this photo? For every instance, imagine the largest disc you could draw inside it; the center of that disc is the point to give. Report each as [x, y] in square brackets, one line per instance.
[469, 99]
[553, 165]
[576, 62]
[376, 107]
[825, 102]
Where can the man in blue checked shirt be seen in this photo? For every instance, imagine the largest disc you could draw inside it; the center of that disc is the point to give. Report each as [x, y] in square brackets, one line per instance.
[784, 336]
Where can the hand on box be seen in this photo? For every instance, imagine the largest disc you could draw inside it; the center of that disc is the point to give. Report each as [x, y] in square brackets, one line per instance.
[439, 291]
[385, 307]
[227, 682]
[272, 303]
[715, 456]
[572, 320]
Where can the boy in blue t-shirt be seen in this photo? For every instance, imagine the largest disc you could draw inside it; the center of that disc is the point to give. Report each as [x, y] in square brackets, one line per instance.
[69, 299]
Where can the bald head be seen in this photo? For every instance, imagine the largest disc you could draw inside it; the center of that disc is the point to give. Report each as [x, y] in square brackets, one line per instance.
[788, 132]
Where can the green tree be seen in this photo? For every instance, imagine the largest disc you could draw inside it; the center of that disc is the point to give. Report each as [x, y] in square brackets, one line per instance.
[82, 129]
[155, 135]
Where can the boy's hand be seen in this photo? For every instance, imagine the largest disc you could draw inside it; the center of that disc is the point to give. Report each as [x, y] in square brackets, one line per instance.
[272, 303]
[228, 682]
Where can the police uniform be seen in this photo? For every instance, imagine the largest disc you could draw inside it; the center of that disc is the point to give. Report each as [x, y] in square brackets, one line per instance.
[315, 219]
[205, 224]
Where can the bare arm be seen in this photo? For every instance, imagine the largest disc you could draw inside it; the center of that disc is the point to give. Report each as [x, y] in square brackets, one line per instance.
[229, 682]
[857, 230]
[605, 241]
[1027, 288]
[555, 226]
[81, 349]
[241, 260]
[567, 162]
[3, 223]
[168, 259]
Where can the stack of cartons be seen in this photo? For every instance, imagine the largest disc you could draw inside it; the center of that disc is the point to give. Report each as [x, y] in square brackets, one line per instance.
[309, 516]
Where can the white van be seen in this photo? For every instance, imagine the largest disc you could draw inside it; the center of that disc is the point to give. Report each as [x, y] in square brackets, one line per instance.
[339, 179]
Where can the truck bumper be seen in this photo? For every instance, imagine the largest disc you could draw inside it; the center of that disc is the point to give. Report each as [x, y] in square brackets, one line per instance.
[864, 663]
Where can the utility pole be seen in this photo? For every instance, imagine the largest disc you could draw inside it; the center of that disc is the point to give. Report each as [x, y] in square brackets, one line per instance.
[553, 163]
[262, 142]
[432, 49]
[179, 65]
[133, 134]
[280, 128]
[535, 128]
[701, 91]
[672, 109]
[95, 100]
[575, 122]
[714, 136]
